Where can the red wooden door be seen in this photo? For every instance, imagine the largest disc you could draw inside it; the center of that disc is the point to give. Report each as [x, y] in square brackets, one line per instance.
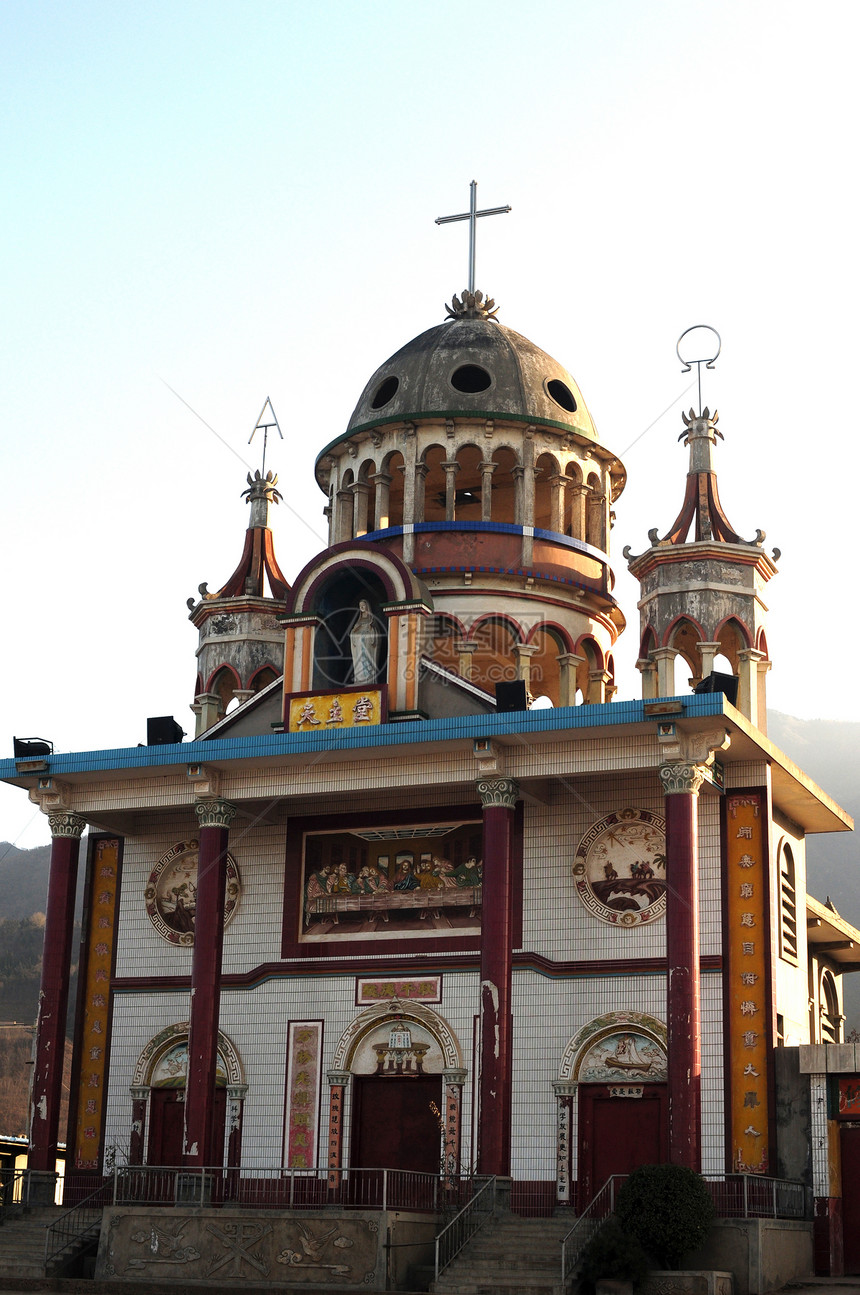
[393, 1126]
[616, 1134]
[849, 1140]
[166, 1119]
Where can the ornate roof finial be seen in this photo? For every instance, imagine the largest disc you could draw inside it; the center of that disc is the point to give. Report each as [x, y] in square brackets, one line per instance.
[261, 426]
[473, 305]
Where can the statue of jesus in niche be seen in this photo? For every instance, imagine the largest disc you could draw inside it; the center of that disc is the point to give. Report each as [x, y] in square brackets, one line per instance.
[364, 645]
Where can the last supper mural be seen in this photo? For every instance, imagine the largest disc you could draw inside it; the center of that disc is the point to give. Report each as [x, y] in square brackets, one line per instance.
[377, 882]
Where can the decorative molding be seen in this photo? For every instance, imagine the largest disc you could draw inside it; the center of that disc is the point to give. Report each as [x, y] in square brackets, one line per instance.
[434, 1023]
[498, 793]
[139, 1092]
[338, 1078]
[64, 823]
[600, 1027]
[215, 813]
[692, 748]
[456, 1076]
[178, 1033]
[682, 779]
[205, 780]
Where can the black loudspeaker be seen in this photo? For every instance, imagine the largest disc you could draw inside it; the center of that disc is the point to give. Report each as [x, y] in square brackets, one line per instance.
[511, 696]
[727, 684]
[31, 748]
[162, 731]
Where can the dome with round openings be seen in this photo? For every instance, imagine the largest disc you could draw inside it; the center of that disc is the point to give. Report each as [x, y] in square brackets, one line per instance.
[473, 365]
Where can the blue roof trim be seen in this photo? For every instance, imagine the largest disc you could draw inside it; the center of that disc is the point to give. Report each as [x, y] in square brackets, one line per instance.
[263, 745]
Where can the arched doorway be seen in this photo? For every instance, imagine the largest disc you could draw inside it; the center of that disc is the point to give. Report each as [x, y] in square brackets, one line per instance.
[613, 1080]
[406, 1090]
[158, 1095]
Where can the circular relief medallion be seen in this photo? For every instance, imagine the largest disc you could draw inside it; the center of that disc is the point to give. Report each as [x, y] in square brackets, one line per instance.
[620, 868]
[171, 892]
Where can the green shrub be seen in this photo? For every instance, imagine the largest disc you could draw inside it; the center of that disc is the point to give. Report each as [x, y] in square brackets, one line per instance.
[611, 1252]
[668, 1208]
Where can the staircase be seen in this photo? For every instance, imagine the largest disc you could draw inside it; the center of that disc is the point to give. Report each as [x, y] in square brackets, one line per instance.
[508, 1256]
[22, 1241]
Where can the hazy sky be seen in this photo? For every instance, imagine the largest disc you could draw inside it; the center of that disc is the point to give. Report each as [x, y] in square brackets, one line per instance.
[237, 200]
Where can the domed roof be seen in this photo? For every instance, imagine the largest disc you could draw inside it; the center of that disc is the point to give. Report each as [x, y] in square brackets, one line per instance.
[472, 365]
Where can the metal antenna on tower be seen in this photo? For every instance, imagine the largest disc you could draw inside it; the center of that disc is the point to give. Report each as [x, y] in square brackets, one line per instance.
[708, 362]
[260, 426]
[472, 216]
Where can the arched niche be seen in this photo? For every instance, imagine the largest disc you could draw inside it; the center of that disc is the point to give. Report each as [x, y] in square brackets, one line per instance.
[596, 1053]
[356, 1044]
[337, 606]
[160, 1063]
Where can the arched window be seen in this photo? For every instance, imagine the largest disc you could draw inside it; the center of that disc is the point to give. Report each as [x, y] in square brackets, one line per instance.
[787, 906]
[831, 1017]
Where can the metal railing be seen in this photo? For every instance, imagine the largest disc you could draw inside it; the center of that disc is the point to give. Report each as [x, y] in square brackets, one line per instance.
[753, 1196]
[14, 1185]
[598, 1209]
[68, 1235]
[251, 1187]
[464, 1225]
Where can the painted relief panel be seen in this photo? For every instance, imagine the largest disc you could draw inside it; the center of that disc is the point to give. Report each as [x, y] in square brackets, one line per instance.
[619, 869]
[747, 993]
[171, 892]
[384, 881]
[622, 1057]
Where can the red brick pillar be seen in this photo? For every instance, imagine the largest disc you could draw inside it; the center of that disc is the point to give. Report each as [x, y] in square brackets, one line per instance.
[215, 817]
[499, 798]
[66, 829]
[681, 783]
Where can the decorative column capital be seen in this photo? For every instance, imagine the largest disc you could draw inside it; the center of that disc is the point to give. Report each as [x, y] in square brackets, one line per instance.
[338, 1078]
[215, 813]
[498, 793]
[65, 823]
[567, 1089]
[139, 1092]
[454, 1076]
[237, 1092]
[682, 779]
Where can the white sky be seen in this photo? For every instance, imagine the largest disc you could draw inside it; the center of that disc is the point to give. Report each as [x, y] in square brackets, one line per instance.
[238, 200]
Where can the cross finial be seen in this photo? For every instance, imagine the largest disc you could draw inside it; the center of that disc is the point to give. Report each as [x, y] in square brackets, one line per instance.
[261, 426]
[472, 216]
[708, 360]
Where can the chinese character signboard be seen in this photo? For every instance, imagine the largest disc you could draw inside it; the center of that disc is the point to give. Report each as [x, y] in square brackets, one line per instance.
[747, 1004]
[303, 1093]
[321, 712]
[96, 968]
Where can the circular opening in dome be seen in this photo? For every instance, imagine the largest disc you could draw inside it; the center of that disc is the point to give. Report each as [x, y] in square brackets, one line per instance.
[385, 392]
[561, 394]
[470, 378]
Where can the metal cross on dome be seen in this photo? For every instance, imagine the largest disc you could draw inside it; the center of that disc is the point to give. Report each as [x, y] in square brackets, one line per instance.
[472, 216]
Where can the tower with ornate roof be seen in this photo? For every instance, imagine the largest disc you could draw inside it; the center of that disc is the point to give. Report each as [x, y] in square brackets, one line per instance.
[703, 588]
[241, 645]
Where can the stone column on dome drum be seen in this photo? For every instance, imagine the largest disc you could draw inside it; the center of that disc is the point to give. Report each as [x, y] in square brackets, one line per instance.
[499, 798]
[361, 504]
[451, 467]
[665, 659]
[681, 783]
[66, 829]
[215, 817]
[558, 482]
[568, 662]
[382, 500]
[487, 470]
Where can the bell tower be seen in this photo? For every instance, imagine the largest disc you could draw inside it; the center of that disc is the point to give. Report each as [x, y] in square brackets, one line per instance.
[241, 647]
[703, 587]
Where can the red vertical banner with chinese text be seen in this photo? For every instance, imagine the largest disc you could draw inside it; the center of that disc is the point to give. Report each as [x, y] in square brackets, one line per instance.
[748, 983]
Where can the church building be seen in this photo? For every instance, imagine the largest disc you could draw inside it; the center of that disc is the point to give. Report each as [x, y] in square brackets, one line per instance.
[420, 895]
